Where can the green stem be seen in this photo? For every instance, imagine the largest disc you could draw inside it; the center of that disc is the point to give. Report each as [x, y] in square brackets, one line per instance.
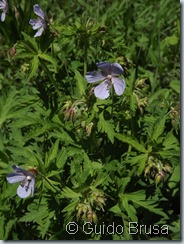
[50, 77]
[85, 55]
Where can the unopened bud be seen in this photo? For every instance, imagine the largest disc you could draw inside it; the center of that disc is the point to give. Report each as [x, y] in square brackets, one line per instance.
[159, 177]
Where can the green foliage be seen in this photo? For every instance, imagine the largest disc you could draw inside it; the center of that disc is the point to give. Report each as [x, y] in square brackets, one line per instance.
[105, 162]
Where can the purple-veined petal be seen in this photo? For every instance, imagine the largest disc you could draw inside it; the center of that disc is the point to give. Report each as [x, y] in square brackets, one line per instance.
[116, 69]
[94, 76]
[103, 65]
[17, 169]
[119, 85]
[24, 191]
[26, 187]
[36, 24]
[105, 68]
[102, 91]
[38, 11]
[3, 4]
[15, 177]
[3, 15]
[39, 32]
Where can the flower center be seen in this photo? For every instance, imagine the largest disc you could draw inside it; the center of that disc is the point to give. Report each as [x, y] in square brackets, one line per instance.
[109, 77]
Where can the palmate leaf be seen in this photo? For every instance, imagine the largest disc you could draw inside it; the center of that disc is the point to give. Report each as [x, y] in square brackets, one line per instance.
[137, 200]
[175, 227]
[8, 104]
[140, 161]
[107, 127]
[134, 143]
[158, 128]
[49, 59]
[43, 229]
[8, 228]
[170, 142]
[69, 210]
[31, 41]
[41, 216]
[69, 193]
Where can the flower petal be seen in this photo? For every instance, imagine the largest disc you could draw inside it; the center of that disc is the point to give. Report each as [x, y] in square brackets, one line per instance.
[102, 91]
[105, 67]
[17, 169]
[3, 15]
[119, 85]
[94, 76]
[36, 23]
[15, 177]
[39, 32]
[24, 191]
[2, 5]
[116, 69]
[38, 11]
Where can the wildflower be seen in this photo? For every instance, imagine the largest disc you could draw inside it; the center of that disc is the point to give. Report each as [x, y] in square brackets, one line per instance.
[39, 23]
[109, 75]
[26, 179]
[4, 7]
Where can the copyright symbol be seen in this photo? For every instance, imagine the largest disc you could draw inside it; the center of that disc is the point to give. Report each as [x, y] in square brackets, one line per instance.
[72, 228]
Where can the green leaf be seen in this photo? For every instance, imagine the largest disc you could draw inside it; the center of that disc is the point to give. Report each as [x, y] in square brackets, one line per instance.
[116, 209]
[62, 158]
[31, 41]
[53, 151]
[48, 58]
[138, 198]
[34, 67]
[130, 209]
[107, 127]
[69, 193]
[140, 161]
[175, 85]
[158, 128]
[81, 82]
[134, 143]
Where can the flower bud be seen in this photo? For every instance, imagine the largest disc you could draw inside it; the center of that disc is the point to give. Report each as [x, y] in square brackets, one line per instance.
[95, 219]
[160, 176]
[89, 216]
[12, 52]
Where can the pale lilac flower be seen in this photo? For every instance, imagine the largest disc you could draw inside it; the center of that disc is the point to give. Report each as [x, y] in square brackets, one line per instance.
[4, 7]
[26, 179]
[109, 74]
[40, 22]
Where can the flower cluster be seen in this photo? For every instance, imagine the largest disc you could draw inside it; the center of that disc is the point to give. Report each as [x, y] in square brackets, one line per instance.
[109, 74]
[40, 22]
[37, 24]
[26, 179]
